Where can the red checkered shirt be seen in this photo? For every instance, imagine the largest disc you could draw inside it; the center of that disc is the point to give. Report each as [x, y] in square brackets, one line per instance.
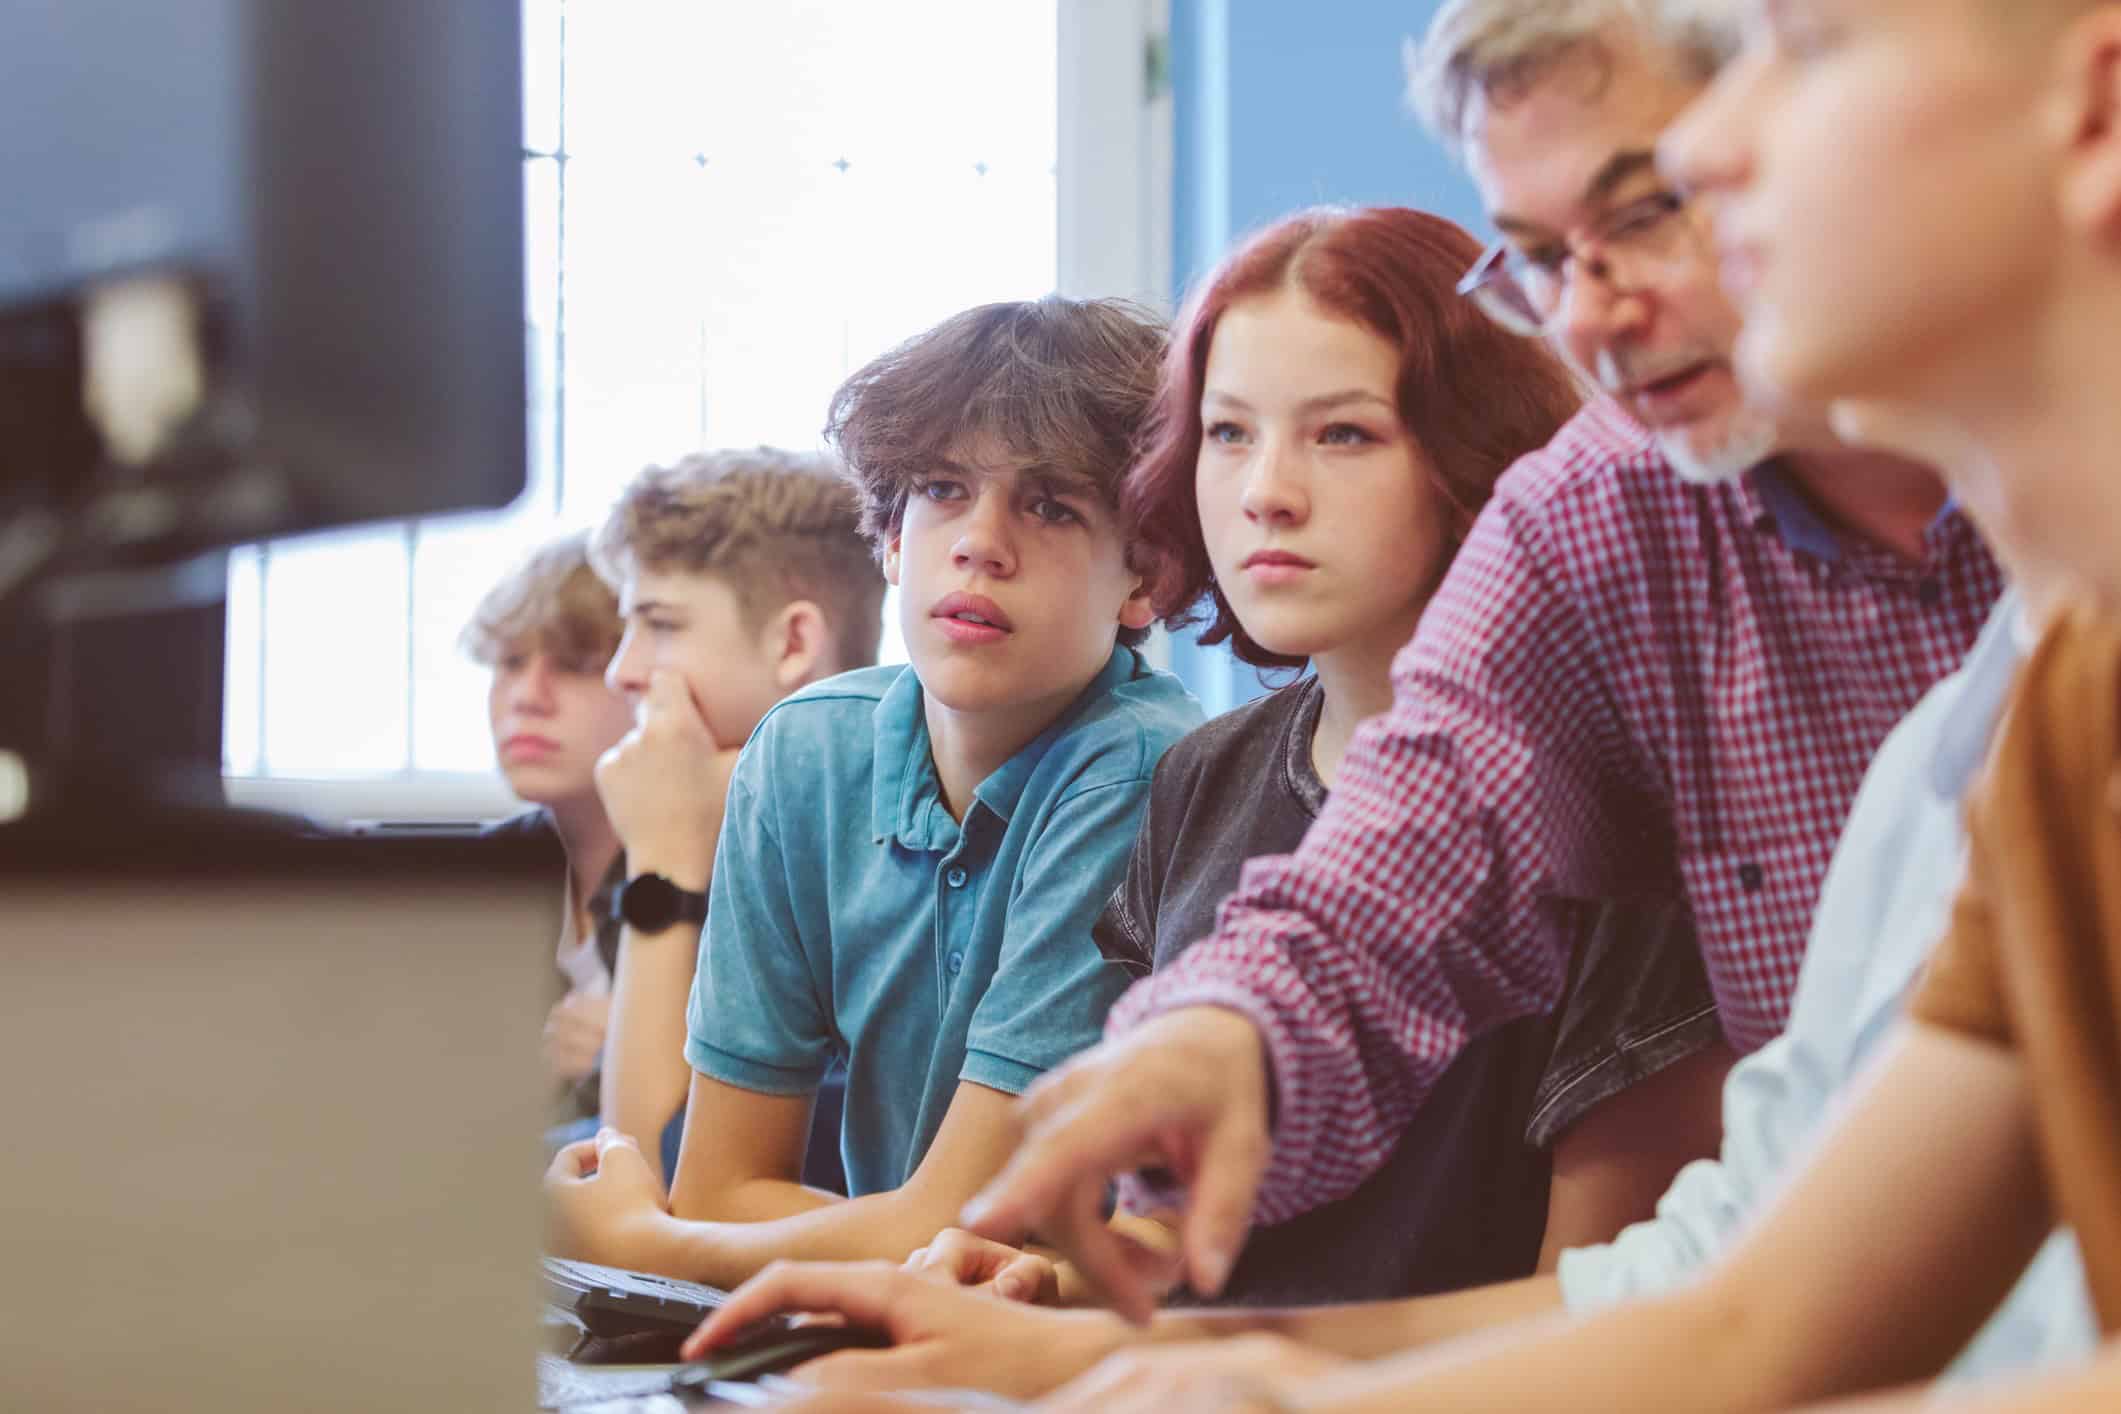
[1626, 684]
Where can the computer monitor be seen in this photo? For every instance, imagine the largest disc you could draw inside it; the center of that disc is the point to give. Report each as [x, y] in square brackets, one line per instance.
[322, 203]
[261, 272]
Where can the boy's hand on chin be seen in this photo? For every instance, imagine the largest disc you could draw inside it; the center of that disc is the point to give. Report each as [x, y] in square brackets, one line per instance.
[664, 784]
[603, 1203]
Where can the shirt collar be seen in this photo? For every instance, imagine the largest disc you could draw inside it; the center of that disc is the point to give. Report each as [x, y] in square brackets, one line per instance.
[1770, 493]
[907, 803]
[1984, 682]
[1773, 500]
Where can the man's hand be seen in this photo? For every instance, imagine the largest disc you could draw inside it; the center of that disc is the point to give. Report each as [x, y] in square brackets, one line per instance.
[943, 1336]
[1251, 1374]
[604, 1204]
[1008, 1272]
[574, 1034]
[1185, 1093]
[665, 783]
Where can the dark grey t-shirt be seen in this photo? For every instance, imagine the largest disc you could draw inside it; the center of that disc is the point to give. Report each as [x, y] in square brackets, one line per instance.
[1463, 1199]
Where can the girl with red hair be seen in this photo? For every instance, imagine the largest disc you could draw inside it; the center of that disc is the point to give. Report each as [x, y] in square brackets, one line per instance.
[1331, 417]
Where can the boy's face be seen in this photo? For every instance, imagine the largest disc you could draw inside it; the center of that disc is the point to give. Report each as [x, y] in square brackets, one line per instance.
[1574, 147]
[1883, 215]
[693, 623]
[1013, 584]
[1891, 220]
[551, 720]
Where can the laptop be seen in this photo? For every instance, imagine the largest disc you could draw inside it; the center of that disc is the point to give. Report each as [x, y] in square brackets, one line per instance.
[274, 1113]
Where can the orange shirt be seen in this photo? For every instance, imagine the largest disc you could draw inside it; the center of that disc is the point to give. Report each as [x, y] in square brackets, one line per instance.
[2033, 957]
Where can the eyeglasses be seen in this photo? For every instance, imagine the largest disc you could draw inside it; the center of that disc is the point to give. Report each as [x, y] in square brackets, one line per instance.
[1522, 289]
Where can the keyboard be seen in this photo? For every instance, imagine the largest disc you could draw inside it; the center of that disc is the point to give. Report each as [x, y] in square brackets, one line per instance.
[612, 1303]
[634, 1389]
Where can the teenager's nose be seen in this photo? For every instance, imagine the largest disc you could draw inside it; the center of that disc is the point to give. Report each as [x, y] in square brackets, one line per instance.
[1274, 492]
[985, 545]
[628, 673]
[534, 685]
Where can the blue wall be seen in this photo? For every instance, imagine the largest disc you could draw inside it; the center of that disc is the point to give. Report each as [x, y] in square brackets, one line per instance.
[1280, 105]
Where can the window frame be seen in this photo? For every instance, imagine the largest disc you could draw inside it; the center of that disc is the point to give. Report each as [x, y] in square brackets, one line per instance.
[1113, 176]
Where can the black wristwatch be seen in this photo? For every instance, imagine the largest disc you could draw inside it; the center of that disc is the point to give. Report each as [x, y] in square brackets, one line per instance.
[649, 903]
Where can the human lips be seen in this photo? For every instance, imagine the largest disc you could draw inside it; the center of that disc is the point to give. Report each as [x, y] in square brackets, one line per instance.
[1269, 567]
[971, 619]
[523, 744]
[1669, 391]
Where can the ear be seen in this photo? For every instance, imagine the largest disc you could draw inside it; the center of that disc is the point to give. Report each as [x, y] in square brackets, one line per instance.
[2090, 100]
[891, 559]
[796, 643]
[1137, 611]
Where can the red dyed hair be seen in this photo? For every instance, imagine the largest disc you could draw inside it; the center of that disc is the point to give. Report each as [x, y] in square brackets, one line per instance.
[1474, 396]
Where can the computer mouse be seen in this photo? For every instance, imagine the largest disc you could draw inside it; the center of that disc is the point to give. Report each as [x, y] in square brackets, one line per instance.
[771, 1346]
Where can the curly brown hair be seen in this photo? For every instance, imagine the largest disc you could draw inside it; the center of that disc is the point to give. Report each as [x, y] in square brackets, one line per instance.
[775, 526]
[1057, 382]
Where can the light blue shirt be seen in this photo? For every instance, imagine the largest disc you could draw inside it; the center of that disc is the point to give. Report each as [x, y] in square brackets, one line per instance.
[1881, 910]
[851, 916]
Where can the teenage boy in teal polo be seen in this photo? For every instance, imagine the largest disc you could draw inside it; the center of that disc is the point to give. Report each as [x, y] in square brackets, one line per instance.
[912, 857]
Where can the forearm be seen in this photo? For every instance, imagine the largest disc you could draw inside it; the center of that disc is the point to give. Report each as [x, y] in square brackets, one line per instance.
[728, 1252]
[645, 1075]
[754, 1200]
[1622, 1360]
[2096, 1386]
[1372, 1330]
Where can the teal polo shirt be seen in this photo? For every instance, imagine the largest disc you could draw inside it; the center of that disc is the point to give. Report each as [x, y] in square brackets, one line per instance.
[850, 916]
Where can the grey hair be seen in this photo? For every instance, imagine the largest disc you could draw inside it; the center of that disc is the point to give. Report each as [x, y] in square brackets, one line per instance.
[1475, 47]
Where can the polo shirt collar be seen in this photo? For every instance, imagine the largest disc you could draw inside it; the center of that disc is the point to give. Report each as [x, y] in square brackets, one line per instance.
[1002, 791]
[906, 797]
[906, 802]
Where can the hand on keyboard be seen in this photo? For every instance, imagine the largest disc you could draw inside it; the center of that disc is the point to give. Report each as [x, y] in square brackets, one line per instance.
[940, 1336]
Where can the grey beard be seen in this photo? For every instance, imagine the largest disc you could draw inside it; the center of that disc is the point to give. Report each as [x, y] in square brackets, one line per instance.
[1749, 442]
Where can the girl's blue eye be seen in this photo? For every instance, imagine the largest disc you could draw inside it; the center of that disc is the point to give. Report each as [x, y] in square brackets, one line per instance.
[1344, 434]
[1225, 433]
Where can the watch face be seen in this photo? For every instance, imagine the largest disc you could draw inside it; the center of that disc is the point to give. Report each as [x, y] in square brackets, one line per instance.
[652, 903]
[649, 903]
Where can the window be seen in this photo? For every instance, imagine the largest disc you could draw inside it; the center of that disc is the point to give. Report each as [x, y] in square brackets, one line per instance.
[729, 207]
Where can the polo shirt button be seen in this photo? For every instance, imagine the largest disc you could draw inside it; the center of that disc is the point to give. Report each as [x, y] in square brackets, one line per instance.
[956, 879]
[956, 963]
[1929, 591]
[1750, 877]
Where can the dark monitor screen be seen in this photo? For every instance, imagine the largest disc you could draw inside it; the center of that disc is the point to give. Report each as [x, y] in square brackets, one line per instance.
[323, 200]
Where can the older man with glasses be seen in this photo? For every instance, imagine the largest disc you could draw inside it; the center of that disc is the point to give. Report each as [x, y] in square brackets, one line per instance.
[1663, 660]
